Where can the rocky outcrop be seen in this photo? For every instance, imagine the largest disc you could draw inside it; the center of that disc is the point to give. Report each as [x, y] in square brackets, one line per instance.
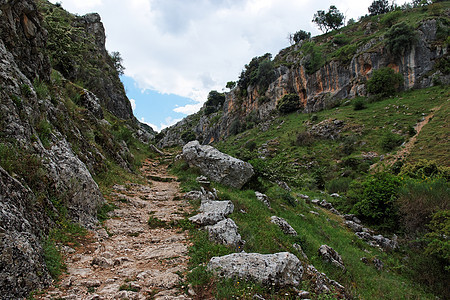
[216, 165]
[325, 88]
[49, 145]
[212, 212]
[321, 284]
[225, 232]
[279, 269]
[284, 225]
[263, 198]
[330, 255]
[23, 223]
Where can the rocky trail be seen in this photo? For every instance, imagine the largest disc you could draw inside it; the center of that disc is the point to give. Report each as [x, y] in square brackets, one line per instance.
[127, 258]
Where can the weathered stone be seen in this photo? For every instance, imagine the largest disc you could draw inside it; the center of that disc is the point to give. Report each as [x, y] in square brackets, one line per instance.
[300, 250]
[353, 226]
[216, 165]
[330, 255]
[263, 198]
[212, 212]
[279, 269]
[284, 225]
[326, 204]
[322, 284]
[378, 264]
[225, 232]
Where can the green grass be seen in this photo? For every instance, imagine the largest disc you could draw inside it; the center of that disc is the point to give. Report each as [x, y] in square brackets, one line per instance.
[253, 219]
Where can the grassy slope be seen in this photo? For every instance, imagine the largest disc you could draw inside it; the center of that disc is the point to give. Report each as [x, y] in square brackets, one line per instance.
[362, 281]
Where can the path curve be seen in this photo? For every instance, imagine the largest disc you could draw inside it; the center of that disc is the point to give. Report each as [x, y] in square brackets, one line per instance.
[127, 259]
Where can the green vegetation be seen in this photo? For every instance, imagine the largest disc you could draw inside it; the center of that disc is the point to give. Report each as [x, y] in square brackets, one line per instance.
[288, 104]
[400, 38]
[384, 82]
[330, 20]
[214, 102]
[402, 201]
[259, 72]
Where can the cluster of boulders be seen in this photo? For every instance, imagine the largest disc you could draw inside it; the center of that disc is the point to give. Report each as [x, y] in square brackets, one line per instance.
[213, 216]
[278, 269]
[352, 222]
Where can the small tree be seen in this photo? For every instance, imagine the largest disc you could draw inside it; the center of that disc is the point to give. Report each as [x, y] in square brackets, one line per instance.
[117, 61]
[331, 20]
[379, 7]
[231, 85]
[400, 38]
[214, 102]
[299, 36]
[384, 82]
[289, 103]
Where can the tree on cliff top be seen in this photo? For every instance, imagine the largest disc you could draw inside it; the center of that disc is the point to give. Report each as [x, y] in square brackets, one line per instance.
[379, 7]
[331, 20]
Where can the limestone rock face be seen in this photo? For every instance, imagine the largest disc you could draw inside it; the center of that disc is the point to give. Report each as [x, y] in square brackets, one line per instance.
[22, 223]
[329, 254]
[334, 81]
[216, 165]
[212, 212]
[225, 232]
[279, 269]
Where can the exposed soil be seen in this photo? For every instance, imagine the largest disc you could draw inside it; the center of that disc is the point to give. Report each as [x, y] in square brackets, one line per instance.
[409, 145]
[127, 259]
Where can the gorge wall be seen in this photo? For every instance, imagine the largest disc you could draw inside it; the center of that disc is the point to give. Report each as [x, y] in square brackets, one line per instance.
[53, 137]
[336, 80]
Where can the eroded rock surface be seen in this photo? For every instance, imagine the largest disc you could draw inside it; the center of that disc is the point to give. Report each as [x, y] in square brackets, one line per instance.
[225, 232]
[280, 269]
[216, 165]
[284, 225]
[127, 259]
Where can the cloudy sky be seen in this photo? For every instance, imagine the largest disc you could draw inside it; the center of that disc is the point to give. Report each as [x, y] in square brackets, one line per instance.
[176, 51]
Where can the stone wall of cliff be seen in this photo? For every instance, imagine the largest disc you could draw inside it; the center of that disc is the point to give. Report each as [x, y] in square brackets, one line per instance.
[336, 80]
[53, 139]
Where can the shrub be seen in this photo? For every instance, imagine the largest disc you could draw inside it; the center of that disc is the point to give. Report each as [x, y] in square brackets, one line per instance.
[214, 102]
[300, 36]
[379, 7]
[400, 38]
[359, 104]
[377, 196]
[289, 103]
[235, 127]
[384, 82]
[314, 59]
[391, 18]
[389, 141]
[420, 199]
[188, 136]
[425, 169]
[437, 238]
[338, 185]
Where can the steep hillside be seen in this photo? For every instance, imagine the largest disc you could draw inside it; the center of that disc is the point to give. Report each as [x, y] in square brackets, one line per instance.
[353, 123]
[326, 70]
[62, 132]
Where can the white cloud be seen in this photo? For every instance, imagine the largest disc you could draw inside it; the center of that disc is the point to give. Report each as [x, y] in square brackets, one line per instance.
[133, 104]
[188, 48]
[188, 109]
[169, 121]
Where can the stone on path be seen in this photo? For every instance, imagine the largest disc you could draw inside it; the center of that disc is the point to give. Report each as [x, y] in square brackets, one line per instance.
[279, 269]
[217, 166]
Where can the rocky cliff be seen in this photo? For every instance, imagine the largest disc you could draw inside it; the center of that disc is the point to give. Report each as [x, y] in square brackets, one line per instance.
[323, 72]
[53, 138]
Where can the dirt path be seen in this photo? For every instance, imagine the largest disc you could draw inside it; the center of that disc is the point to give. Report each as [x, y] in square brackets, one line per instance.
[408, 146]
[130, 260]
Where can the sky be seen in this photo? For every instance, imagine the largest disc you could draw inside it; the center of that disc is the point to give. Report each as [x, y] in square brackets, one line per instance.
[176, 51]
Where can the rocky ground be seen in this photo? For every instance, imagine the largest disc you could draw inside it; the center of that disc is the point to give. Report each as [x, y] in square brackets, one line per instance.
[126, 258]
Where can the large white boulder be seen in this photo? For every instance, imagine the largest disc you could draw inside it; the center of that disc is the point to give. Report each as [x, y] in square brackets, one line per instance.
[217, 166]
[280, 269]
